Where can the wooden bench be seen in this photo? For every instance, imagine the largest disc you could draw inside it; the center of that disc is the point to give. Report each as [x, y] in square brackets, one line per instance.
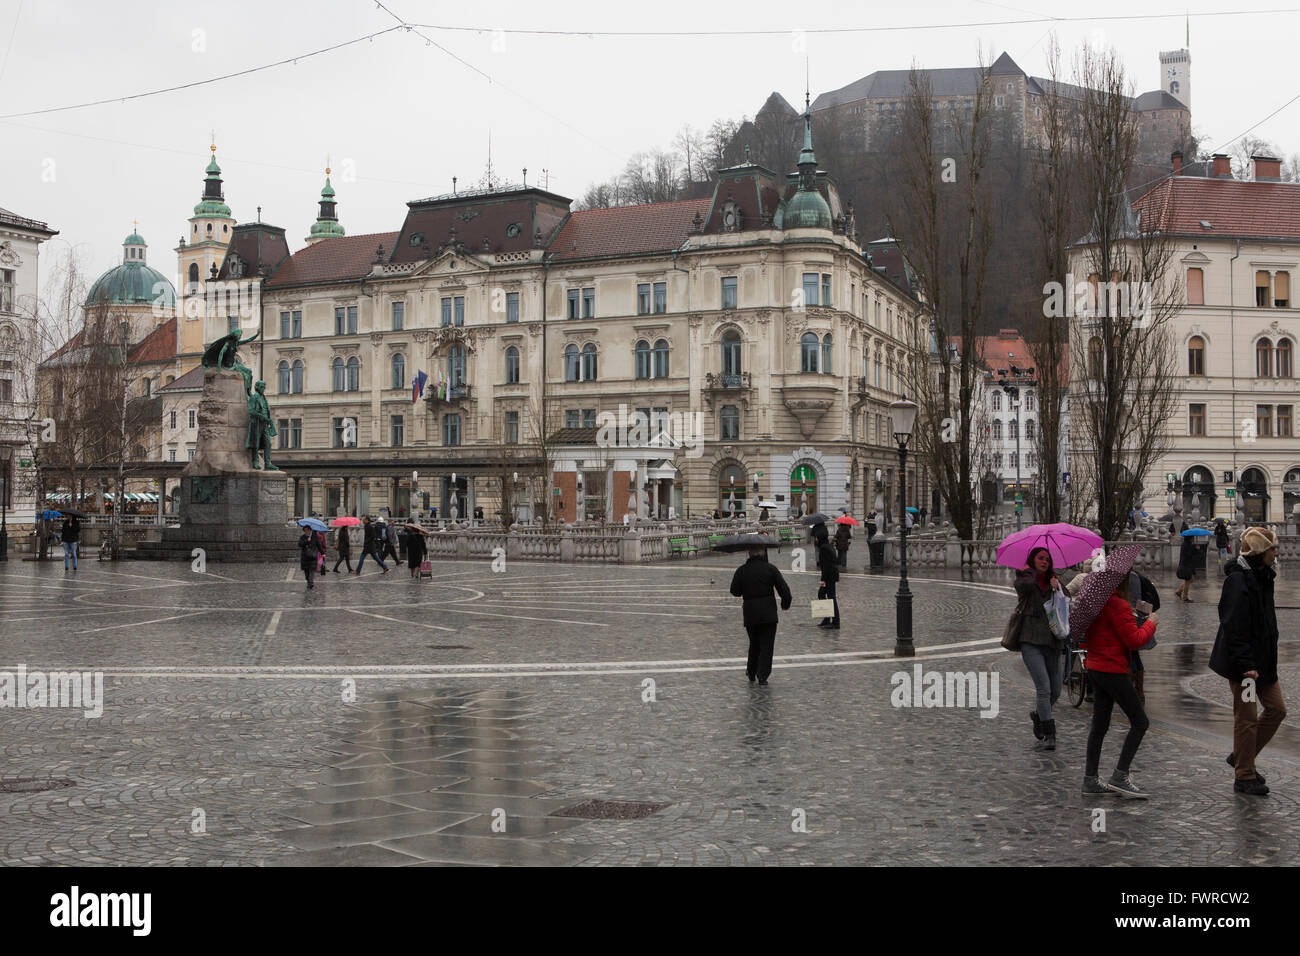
[681, 546]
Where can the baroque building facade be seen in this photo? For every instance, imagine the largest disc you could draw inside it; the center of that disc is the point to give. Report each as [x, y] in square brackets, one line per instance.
[748, 333]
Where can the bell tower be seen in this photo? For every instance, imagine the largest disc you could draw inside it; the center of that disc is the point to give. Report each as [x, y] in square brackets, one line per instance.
[198, 258]
[1176, 75]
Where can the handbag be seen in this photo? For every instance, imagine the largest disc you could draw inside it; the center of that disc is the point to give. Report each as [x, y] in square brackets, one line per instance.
[1011, 635]
[823, 607]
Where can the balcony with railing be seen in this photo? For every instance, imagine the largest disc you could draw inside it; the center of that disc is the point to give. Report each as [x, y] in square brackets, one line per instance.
[719, 382]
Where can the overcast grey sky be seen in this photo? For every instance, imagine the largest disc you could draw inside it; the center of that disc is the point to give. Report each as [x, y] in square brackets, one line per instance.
[399, 117]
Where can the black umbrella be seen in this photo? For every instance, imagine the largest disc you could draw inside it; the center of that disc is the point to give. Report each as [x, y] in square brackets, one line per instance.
[71, 513]
[743, 542]
[818, 518]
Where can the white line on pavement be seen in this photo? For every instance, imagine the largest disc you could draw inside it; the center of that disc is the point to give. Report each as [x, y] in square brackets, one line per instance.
[157, 620]
[434, 627]
[275, 622]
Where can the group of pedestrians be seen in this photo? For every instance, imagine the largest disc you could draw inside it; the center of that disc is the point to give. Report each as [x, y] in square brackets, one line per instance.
[1244, 653]
[378, 541]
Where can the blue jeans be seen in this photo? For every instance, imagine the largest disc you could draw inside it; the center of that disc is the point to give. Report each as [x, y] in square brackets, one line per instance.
[1044, 665]
[368, 554]
[69, 551]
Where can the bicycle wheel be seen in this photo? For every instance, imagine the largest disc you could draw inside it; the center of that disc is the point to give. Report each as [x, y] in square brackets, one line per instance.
[1076, 686]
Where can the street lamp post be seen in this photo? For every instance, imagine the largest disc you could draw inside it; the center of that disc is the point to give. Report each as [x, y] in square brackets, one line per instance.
[903, 416]
[6, 457]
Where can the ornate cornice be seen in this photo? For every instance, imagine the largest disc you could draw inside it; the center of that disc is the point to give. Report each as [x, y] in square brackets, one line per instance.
[449, 335]
[573, 334]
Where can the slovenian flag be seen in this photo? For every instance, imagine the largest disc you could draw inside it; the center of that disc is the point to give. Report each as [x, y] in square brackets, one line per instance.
[417, 386]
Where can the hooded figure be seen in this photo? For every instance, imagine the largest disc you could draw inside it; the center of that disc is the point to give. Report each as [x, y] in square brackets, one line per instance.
[1246, 647]
[755, 580]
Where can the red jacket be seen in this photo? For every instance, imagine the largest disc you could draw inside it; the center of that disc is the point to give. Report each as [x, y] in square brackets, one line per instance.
[1113, 635]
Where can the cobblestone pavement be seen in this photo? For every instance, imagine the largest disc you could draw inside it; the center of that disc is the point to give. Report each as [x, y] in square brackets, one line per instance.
[488, 702]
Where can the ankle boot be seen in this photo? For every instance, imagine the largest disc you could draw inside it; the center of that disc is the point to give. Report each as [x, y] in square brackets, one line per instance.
[1038, 724]
[1049, 734]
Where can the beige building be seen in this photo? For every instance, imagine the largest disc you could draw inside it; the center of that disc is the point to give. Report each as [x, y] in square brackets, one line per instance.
[1238, 257]
[749, 332]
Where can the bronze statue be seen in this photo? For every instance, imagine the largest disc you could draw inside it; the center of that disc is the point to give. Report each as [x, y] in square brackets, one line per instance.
[260, 427]
[223, 354]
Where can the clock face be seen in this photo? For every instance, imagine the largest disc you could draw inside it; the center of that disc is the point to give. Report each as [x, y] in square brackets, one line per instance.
[729, 218]
[1173, 71]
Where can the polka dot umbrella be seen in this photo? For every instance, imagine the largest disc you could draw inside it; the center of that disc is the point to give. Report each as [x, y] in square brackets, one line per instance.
[1108, 573]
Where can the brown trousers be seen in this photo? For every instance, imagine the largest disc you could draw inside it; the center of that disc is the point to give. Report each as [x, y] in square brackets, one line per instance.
[1251, 731]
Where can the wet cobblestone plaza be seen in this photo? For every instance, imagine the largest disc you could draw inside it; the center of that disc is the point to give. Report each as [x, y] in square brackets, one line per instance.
[383, 721]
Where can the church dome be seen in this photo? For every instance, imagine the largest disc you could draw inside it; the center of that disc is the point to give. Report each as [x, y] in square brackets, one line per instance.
[132, 283]
[806, 210]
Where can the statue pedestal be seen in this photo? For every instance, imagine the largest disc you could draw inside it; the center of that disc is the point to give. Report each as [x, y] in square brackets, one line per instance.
[230, 509]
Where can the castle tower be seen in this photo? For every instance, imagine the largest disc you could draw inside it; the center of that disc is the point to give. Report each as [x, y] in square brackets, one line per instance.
[197, 256]
[327, 221]
[1176, 75]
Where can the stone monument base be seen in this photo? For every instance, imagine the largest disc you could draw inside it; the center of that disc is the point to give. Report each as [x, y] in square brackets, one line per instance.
[241, 517]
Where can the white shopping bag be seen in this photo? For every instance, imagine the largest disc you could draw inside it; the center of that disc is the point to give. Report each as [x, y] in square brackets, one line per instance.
[1057, 609]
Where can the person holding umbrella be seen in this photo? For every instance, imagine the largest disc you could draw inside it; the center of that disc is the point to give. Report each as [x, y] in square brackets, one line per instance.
[415, 549]
[343, 543]
[1221, 540]
[1187, 555]
[70, 533]
[1040, 648]
[830, 568]
[1246, 648]
[1102, 618]
[843, 536]
[309, 549]
[755, 580]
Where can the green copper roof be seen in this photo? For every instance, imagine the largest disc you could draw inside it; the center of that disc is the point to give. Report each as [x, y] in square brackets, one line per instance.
[328, 191]
[135, 239]
[324, 229]
[132, 283]
[212, 207]
[806, 154]
[806, 210]
[213, 170]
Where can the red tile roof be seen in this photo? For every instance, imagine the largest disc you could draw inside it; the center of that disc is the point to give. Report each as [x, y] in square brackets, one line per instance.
[1233, 208]
[332, 260]
[158, 346]
[628, 230]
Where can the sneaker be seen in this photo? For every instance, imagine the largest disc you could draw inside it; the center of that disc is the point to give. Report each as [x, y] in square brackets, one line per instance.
[1232, 762]
[1092, 787]
[1255, 786]
[1121, 784]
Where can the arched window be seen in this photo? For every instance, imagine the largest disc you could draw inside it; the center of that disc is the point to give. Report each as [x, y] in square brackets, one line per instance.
[731, 364]
[826, 354]
[589, 363]
[296, 372]
[572, 364]
[1263, 358]
[456, 366]
[354, 374]
[1094, 359]
[997, 401]
[399, 371]
[1196, 355]
[1030, 431]
[340, 375]
[808, 348]
[283, 378]
[642, 359]
[997, 428]
[729, 423]
[194, 278]
[512, 366]
[661, 358]
[1283, 355]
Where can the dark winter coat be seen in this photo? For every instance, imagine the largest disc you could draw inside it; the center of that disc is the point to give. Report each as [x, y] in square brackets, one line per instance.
[828, 561]
[414, 549]
[310, 551]
[1035, 629]
[1247, 638]
[842, 537]
[1187, 555]
[71, 530]
[1220, 536]
[343, 542]
[755, 580]
[371, 544]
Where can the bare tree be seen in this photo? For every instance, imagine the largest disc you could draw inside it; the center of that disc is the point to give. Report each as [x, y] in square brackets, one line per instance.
[690, 144]
[651, 177]
[942, 219]
[1123, 385]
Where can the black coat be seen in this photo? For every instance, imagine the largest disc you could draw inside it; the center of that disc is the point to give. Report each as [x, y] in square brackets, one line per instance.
[1187, 555]
[754, 581]
[842, 537]
[1247, 638]
[310, 549]
[1220, 536]
[828, 561]
[343, 541]
[71, 530]
[370, 543]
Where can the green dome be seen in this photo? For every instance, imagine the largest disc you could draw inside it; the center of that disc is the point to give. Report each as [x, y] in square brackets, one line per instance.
[135, 239]
[806, 210]
[132, 283]
[212, 208]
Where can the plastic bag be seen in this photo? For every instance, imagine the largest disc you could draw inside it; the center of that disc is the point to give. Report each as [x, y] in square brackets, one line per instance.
[1057, 609]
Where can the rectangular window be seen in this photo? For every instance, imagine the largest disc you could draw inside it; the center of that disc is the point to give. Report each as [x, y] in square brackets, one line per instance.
[658, 421]
[189, 453]
[729, 292]
[512, 428]
[172, 416]
[296, 330]
[573, 303]
[451, 429]
[295, 433]
[1196, 420]
[1282, 290]
[171, 454]
[1284, 421]
[588, 418]
[345, 433]
[642, 415]
[6, 290]
[661, 297]
[1264, 421]
[1196, 287]
[643, 298]
[352, 320]
[399, 316]
[282, 433]
[826, 290]
[193, 418]
[398, 429]
[232, 323]
[446, 311]
[589, 303]
[340, 320]
[512, 306]
[284, 325]
[459, 309]
[1262, 288]
[810, 286]
[571, 418]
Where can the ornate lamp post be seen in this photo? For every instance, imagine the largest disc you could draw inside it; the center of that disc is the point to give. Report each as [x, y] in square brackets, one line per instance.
[902, 415]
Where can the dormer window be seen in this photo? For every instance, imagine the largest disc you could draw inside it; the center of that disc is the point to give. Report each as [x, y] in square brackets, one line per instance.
[730, 216]
[417, 238]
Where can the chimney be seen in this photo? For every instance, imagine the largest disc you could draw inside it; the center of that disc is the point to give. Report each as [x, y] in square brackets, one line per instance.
[1222, 166]
[1265, 169]
[1177, 159]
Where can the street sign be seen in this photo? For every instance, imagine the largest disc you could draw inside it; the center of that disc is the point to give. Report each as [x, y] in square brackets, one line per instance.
[24, 463]
[759, 473]
[1227, 477]
[1065, 477]
[1170, 476]
[1231, 492]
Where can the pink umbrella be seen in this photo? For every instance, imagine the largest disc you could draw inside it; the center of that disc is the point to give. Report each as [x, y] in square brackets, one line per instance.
[1099, 586]
[348, 522]
[846, 519]
[1067, 544]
